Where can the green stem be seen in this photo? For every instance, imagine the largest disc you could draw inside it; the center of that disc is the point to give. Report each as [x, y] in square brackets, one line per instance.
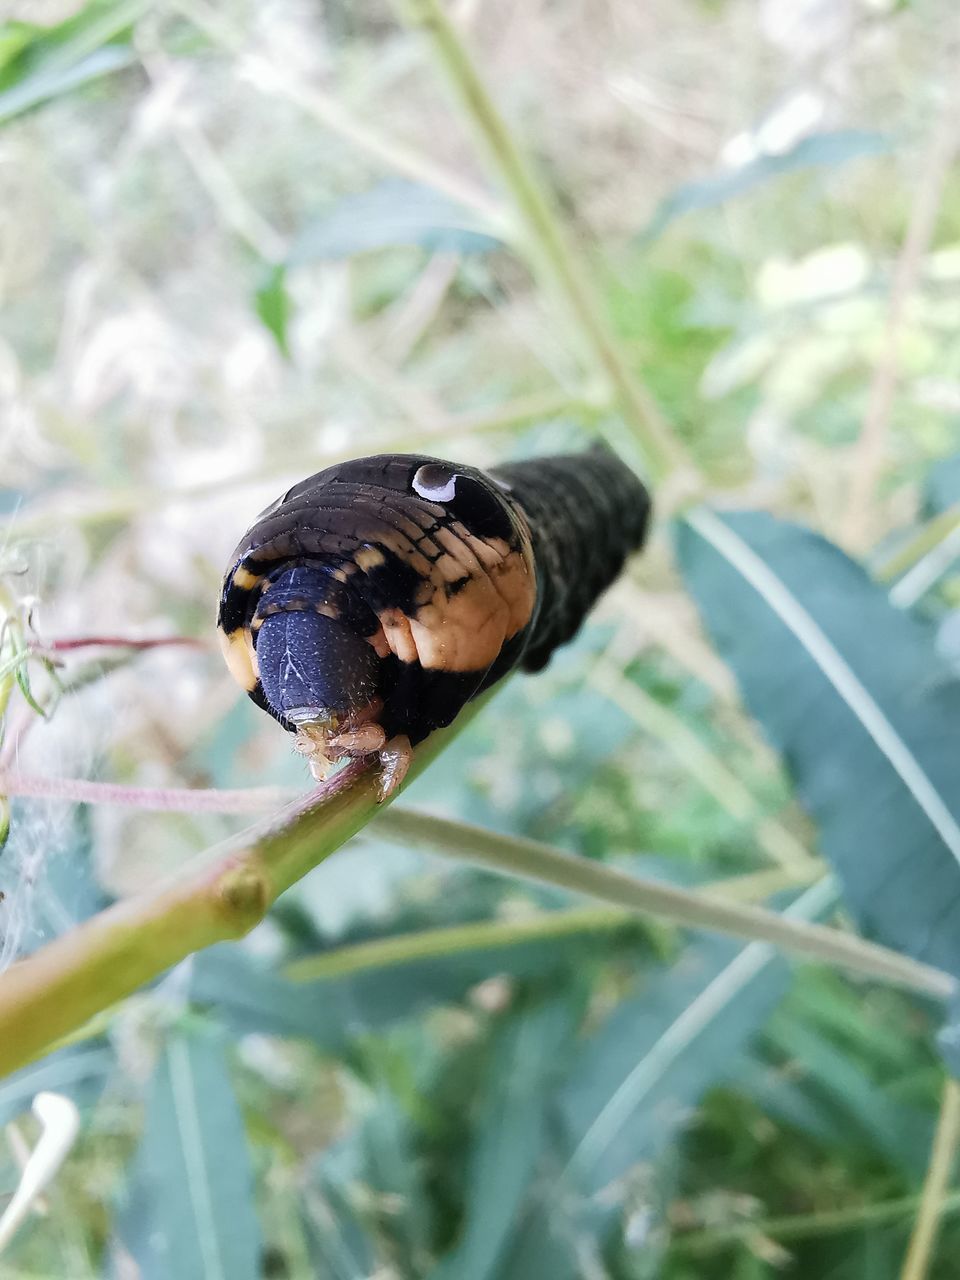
[551, 248]
[515, 856]
[919, 1257]
[920, 545]
[214, 898]
[806, 1226]
[480, 935]
[492, 935]
[270, 77]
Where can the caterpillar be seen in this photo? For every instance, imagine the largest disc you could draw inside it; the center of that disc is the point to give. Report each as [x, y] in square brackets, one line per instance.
[367, 605]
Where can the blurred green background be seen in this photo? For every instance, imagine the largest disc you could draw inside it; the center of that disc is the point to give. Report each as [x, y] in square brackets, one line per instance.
[239, 241]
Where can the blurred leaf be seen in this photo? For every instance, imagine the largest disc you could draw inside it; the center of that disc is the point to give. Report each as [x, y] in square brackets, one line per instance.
[776, 1091]
[634, 1083]
[365, 1195]
[332, 1012]
[79, 1071]
[394, 212]
[395, 1178]
[533, 1050]
[632, 1088]
[273, 306]
[858, 1105]
[47, 874]
[941, 487]
[39, 63]
[818, 151]
[342, 1245]
[190, 1210]
[873, 747]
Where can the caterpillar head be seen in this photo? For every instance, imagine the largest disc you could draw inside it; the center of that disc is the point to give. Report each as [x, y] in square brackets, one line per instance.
[372, 600]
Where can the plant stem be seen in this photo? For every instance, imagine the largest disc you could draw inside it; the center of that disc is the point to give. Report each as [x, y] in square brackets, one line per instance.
[926, 540]
[218, 896]
[270, 77]
[479, 935]
[156, 799]
[806, 1225]
[515, 856]
[870, 451]
[490, 935]
[551, 248]
[942, 1158]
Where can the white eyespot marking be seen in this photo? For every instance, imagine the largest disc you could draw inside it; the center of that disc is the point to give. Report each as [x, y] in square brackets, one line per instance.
[435, 483]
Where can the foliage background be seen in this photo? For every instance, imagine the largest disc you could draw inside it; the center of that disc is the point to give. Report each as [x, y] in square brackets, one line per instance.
[237, 241]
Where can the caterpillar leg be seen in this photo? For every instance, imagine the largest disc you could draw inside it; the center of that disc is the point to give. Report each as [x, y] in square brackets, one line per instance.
[362, 741]
[395, 758]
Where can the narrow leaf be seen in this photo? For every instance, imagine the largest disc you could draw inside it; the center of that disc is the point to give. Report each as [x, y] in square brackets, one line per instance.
[273, 306]
[190, 1212]
[394, 212]
[818, 151]
[851, 692]
[40, 63]
[509, 1136]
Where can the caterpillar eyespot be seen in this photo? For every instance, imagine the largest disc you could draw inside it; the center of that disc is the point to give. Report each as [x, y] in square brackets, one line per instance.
[435, 482]
[373, 600]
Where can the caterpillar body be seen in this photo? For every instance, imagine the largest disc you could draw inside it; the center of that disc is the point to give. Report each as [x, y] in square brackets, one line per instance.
[366, 606]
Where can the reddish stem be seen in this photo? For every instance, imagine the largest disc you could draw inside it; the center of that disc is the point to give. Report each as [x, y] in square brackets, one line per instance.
[118, 642]
[169, 799]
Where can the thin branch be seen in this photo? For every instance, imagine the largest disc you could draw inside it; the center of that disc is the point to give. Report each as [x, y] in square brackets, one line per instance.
[870, 451]
[942, 1159]
[806, 1226]
[66, 643]
[157, 799]
[917, 547]
[927, 572]
[551, 249]
[218, 182]
[490, 935]
[327, 111]
[529, 859]
[479, 935]
[220, 895]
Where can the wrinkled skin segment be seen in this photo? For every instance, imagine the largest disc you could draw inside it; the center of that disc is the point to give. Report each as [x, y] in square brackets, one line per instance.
[373, 600]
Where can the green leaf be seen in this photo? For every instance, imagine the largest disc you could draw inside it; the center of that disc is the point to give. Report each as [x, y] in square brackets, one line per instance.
[39, 63]
[941, 488]
[190, 1212]
[273, 306]
[634, 1084]
[386, 1140]
[394, 212]
[509, 1134]
[818, 151]
[340, 1243]
[331, 1012]
[79, 1071]
[859, 1106]
[851, 692]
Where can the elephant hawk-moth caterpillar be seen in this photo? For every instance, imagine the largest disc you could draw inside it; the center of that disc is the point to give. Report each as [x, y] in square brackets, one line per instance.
[370, 602]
